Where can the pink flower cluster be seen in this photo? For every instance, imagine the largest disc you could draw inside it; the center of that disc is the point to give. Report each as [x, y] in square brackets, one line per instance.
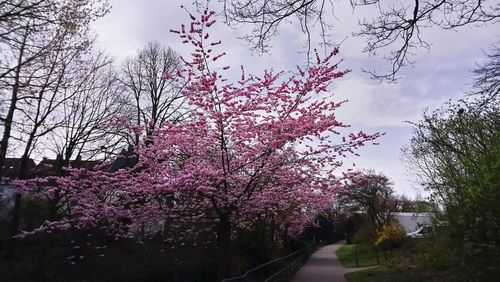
[264, 147]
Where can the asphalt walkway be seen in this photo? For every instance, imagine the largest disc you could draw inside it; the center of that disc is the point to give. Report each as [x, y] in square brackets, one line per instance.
[323, 265]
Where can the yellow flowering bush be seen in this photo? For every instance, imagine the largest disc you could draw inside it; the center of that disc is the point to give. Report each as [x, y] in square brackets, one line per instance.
[391, 233]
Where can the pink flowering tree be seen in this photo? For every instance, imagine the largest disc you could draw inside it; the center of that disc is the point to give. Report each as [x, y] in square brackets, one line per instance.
[262, 146]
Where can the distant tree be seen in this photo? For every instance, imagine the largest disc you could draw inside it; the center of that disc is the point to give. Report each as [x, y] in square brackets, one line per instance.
[403, 203]
[91, 118]
[155, 97]
[396, 32]
[370, 193]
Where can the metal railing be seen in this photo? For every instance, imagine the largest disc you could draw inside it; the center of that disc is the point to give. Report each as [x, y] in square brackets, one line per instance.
[280, 269]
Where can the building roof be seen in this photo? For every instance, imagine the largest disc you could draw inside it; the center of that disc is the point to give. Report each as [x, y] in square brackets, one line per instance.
[50, 167]
[46, 167]
[412, 221]
[12, 166]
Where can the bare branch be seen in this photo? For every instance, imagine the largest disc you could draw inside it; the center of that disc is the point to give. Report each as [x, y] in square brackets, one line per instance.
[396, 32]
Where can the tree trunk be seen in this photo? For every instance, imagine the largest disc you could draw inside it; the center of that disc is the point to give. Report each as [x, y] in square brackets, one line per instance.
[4, 143]
[16, 212]
[11, 241]
[225, 261]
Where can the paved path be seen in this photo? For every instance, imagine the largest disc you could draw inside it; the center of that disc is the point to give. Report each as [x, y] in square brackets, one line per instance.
[322, 266]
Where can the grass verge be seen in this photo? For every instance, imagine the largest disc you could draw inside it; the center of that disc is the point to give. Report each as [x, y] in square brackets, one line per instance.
[366, 255]
[402, 264]
[344, 254]
[384, 273]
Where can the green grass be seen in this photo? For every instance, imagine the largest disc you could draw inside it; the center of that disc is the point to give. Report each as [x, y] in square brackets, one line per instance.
[367, 256]
[384, 273]
[402, 265]
[345, 256]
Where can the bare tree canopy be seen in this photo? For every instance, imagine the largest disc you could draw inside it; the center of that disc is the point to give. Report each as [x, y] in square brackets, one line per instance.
[36, 17]
[88, 117]
[396, 32]
[487, 76]
[154, 96]
[37, 41]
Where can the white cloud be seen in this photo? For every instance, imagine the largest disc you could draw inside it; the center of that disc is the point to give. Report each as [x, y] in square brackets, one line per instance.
[382, 105]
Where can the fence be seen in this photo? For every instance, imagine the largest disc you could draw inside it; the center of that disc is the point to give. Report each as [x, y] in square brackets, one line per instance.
[280, 269]
[368, 256]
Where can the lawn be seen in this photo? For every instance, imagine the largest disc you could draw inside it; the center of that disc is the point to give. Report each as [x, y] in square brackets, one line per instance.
[367, 255]
[384, 273]
[398, 266]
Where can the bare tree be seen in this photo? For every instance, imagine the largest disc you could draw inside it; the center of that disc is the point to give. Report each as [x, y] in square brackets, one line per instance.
[11, 11]
[487, 76]
[399, 28]
[42, 94]
[41, 16]
[37, 50]
[18, 20]
[403, 203]
[88, 117]
[29, 31]
[397, 31]
[155, 97]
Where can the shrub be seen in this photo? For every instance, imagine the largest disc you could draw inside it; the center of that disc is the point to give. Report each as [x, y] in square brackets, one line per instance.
[391, 234]
[366, 234]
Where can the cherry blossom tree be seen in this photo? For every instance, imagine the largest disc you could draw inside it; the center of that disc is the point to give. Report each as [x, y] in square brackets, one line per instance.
[263, 145]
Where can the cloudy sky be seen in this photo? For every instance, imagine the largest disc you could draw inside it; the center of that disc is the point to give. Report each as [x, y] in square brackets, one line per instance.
[439, 74]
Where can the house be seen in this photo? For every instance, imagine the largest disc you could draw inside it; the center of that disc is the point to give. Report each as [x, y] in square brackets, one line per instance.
[12, 166]
[52, 167]
[47, 167]
[412, 221]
